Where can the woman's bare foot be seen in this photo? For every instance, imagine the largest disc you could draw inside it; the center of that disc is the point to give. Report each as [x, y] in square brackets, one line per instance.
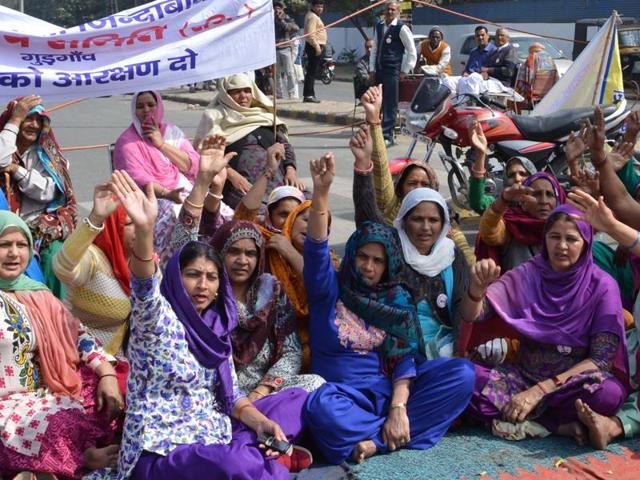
[574, 430]
[364, 450]
[602, 430]
[95, 458]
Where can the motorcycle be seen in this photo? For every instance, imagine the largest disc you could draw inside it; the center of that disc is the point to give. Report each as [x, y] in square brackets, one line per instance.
[326, 70]
[437, 116]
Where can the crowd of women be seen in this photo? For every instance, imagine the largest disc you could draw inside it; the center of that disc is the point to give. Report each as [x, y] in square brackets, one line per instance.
[197, 323]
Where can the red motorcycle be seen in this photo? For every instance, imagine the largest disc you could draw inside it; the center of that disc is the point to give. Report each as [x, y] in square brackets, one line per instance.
[436, 116]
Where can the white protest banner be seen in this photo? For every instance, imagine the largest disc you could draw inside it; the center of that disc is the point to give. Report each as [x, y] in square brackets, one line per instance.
[160, 44]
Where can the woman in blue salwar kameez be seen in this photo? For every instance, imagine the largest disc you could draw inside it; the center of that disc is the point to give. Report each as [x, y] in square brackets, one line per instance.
[382, 393]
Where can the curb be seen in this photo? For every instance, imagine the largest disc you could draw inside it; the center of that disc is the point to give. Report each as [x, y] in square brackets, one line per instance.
[320, 117]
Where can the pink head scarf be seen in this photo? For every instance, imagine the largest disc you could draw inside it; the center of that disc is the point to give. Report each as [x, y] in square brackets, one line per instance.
[144, 162]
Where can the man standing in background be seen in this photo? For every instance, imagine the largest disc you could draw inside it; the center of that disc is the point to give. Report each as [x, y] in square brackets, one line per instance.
[503, 63]
[392, 57]
[313, 48]
[437, 53]
[285, 27]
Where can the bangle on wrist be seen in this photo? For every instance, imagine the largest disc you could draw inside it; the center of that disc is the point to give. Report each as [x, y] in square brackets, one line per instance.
[363, 171]
[318, 212]
[193, 205]
[398, 405]
[217, 196]
[556, 381]
[636, 242]
[258, 392]
[473, 297]
[478, 173]
[239, 412]
[107, 375]
[373, 124]
[92, 227]
[540, 385]
[143, 260]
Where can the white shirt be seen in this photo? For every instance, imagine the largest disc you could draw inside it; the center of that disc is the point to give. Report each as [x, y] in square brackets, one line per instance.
[410, 56]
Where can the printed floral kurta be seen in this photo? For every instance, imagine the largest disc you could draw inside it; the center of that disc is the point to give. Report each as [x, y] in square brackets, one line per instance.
[171, 398]
[26, 406]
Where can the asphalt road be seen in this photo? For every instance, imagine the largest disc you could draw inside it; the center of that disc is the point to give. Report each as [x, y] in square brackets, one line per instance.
[102, 120]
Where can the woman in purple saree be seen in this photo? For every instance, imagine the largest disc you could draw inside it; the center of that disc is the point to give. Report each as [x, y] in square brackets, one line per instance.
[568, 313]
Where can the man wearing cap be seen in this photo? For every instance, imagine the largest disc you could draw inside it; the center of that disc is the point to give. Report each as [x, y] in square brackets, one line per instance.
[436, 52]
[393, 56]
[313, 48]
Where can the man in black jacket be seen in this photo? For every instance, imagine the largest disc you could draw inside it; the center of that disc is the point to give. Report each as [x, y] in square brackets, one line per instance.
[503, 63]
[285, 27]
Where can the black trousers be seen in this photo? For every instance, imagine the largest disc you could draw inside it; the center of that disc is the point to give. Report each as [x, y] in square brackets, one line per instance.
[390, 80]
[313, 63]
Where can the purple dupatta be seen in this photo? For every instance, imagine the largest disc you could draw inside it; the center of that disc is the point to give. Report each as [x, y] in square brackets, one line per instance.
[562, 308]
[209, 335]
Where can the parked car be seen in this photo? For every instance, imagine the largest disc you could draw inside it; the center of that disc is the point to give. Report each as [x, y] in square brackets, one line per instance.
[520, 40]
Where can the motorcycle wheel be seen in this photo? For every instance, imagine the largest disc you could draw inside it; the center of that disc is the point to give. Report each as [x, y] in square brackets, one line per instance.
[458, 186]
[326, 76]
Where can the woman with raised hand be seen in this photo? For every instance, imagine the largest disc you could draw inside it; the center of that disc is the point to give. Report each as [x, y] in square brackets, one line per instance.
[58, 389]
[36, 180]
[511, 229]
[382, 393]
[182, 390]
[572, 343]
[93, 264]
[416, 174]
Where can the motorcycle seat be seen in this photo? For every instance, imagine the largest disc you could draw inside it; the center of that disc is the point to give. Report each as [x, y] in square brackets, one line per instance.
[558, 124]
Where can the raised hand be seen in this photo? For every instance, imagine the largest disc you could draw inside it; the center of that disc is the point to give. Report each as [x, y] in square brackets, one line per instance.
[239, 182]
[141, 207]
[518, 193]
[323, 171]
[596, 133]
[372, 103]
[633, 125]
[576, 145]
[176, 195]
[620, 155]
[104, 203]
[361, 146]
[291, 178]
[21, 107]
[596, 212]
[275, 154]
[477, 137]
[212, 157]
[586, 181]
[483, 273]
[217, 184]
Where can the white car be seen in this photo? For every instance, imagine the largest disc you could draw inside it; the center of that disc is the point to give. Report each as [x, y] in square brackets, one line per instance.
[519, 40]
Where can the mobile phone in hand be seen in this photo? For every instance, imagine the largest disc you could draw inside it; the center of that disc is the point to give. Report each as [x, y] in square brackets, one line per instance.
[270, 441]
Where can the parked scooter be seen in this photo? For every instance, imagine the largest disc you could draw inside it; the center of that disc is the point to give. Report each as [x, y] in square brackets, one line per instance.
[326, 71]
[438, 116]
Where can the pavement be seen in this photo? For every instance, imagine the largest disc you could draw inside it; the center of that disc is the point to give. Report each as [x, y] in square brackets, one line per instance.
[334, 112]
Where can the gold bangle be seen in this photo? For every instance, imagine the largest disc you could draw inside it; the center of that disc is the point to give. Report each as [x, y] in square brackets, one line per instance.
[399, 405]
[133, 253]
[258, 392]
[193, 205]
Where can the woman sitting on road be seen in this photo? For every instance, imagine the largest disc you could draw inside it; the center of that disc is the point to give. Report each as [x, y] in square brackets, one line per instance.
[157, 153]
[36, 180]
[266, 343]
[415, 174]
[511, 229]
[58, 390]
[183, 388]
[572, 342]
[244, 116]
[364, 328]
[516, 170]
[93, 263]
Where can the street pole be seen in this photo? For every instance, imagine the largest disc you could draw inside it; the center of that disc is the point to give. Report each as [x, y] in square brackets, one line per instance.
[21, 6]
